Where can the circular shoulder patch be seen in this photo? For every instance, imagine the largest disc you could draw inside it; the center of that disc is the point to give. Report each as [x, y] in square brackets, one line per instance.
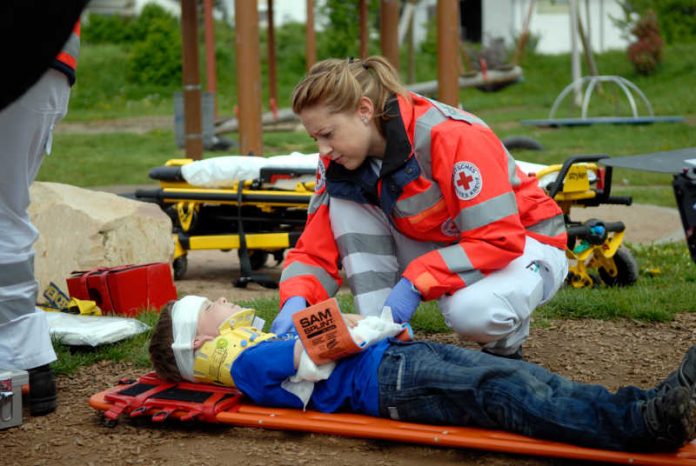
[467, 180]
[321, 177]
[449, 228]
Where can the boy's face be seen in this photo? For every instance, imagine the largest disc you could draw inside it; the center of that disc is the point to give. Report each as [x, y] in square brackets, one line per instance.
[212, 316]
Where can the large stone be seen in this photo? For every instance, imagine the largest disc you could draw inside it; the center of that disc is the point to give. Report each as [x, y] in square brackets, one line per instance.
[80, 229]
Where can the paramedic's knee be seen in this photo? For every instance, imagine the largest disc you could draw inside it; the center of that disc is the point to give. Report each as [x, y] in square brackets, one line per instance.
[482, 318]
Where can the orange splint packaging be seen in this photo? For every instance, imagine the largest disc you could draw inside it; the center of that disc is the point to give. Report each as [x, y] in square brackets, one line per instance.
[150, 396]
[125, 289]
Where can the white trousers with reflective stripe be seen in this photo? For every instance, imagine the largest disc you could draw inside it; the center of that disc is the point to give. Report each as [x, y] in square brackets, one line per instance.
[25, 137]
[494, 312]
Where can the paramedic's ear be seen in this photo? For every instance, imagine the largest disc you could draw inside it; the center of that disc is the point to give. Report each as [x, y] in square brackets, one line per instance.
[199, 340]
[366, 108]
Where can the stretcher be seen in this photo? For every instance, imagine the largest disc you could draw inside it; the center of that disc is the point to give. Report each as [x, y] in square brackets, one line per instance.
[262, 211]
[150, 397]
[595, 247]
[258, 216]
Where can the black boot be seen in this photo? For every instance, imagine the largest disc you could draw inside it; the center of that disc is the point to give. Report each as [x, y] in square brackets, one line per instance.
[42, 391]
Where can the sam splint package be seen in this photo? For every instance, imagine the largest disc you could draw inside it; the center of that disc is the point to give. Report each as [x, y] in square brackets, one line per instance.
[126, 289]
[326, 337]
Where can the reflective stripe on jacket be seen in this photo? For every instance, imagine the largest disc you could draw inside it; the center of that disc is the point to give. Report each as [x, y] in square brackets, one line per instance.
[66, 61]
[445, 178]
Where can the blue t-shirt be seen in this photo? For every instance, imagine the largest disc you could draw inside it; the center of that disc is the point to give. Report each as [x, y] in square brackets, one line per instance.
[352, 386]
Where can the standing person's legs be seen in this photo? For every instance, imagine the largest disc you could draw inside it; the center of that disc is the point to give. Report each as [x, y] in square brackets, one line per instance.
[25, 132]
[446, 384]
[373, 252]
[496, 310]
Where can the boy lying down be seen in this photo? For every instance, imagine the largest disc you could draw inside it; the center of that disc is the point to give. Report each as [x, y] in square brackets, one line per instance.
[421, 381]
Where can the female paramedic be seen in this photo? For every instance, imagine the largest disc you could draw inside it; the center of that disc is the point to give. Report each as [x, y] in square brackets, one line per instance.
[418, 201]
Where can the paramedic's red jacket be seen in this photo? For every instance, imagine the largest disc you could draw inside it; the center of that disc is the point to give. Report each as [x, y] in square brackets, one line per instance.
[445, 178]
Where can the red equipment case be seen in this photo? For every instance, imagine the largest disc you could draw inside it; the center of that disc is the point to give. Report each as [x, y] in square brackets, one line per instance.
[125, 289]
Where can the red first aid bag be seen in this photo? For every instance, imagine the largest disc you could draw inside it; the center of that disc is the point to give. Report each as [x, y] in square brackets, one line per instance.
[126, 289]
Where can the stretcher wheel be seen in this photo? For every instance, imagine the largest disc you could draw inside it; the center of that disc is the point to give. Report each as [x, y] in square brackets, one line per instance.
[626, 269]
[257, 258]
[180, 265]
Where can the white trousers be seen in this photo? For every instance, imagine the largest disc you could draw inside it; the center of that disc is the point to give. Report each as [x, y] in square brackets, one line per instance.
[494, 312]
[25, 137]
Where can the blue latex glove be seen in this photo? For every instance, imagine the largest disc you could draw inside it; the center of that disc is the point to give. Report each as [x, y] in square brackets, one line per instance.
[403, 300]
[283, 322]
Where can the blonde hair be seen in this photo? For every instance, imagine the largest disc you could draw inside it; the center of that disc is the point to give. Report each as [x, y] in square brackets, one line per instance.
[339, 84]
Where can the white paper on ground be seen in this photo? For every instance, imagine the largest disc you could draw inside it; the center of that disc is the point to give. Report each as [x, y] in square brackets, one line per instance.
[76, 330]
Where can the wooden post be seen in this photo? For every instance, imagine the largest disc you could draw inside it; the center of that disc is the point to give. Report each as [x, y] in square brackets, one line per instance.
[248, 76]
[389, 31]
[272, 80]
[364, 37]
[193, 133]
[447, 44]
[311, 46]
[210, 62]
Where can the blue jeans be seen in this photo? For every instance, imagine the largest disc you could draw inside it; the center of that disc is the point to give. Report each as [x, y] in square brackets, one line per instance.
[445, 384]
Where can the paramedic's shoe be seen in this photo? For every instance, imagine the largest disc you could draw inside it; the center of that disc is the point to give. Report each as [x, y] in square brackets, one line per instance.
[518, 354]
[684, 376]
[671, 418]
[43, 398]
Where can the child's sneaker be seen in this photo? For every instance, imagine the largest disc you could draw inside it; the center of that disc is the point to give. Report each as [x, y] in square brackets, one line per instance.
[671, 418]
[687, 369]
[684, 376]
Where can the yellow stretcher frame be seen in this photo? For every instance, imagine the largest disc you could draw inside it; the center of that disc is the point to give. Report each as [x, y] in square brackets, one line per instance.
[184, 203]
[594, 250]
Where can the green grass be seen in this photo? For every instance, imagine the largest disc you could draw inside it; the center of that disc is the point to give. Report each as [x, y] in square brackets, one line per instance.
[107, 159]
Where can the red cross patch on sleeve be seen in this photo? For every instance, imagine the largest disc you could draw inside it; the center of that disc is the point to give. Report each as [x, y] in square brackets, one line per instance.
[467, 180]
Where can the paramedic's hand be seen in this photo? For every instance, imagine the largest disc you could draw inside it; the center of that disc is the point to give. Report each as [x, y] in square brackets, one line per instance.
[283, 322]
[403, 300]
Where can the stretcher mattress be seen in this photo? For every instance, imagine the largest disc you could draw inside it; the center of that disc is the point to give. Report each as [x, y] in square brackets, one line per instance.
[149, 396]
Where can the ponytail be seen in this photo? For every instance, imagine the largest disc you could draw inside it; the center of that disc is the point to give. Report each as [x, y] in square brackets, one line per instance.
[339, 84]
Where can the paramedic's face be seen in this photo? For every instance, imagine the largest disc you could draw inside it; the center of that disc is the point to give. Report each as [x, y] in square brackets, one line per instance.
[344, 137]
[213, 315]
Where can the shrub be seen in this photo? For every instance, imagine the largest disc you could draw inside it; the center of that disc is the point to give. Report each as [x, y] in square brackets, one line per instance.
[646, 52]
[156, 60]
[102, 29]
[677, 18]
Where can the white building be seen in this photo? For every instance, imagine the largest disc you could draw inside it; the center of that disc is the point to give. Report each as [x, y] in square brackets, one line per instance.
[550, 22]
